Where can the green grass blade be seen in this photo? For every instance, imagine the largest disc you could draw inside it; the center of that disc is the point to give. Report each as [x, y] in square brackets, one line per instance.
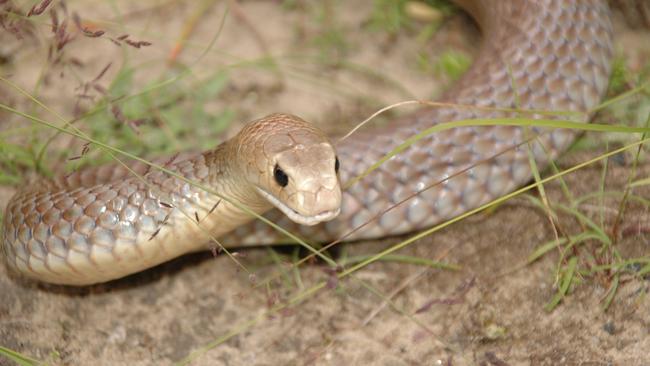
[611, 292]
[601, 235]
[19, 358]
[565, 284]
[545, 248]
[403, 259]
[644, 271]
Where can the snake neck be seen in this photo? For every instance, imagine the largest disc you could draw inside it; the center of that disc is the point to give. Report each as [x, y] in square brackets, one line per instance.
[238, 196]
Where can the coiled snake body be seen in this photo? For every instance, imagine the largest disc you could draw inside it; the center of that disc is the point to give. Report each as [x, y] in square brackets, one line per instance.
[104, 223]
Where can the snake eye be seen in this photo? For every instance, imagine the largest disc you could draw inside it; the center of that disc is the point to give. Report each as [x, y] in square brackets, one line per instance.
[337, 165]
[280, 176]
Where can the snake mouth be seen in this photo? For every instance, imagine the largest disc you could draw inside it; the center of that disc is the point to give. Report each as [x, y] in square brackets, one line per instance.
[295, 215]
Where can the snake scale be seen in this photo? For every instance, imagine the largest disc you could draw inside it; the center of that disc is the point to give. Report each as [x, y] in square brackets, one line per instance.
[104, 223]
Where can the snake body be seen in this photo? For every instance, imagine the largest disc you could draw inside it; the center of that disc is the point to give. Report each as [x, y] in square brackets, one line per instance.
[550, 55]
[104, 223]
[536, 55]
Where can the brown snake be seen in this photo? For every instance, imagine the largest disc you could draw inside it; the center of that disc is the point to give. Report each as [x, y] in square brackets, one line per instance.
[104, 223]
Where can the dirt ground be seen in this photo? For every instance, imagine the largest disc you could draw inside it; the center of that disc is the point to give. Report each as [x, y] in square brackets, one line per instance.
[491, 312]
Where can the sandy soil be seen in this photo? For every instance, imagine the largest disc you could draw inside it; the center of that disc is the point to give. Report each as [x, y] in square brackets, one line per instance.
[491, 312]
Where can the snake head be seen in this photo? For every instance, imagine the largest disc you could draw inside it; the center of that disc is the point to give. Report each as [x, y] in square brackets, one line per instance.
[294, 167]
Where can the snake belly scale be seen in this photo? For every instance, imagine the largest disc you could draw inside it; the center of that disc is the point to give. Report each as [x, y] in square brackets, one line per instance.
[104, 223]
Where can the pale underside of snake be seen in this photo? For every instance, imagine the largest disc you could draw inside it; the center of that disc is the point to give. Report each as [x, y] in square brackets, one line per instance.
[104, 223]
